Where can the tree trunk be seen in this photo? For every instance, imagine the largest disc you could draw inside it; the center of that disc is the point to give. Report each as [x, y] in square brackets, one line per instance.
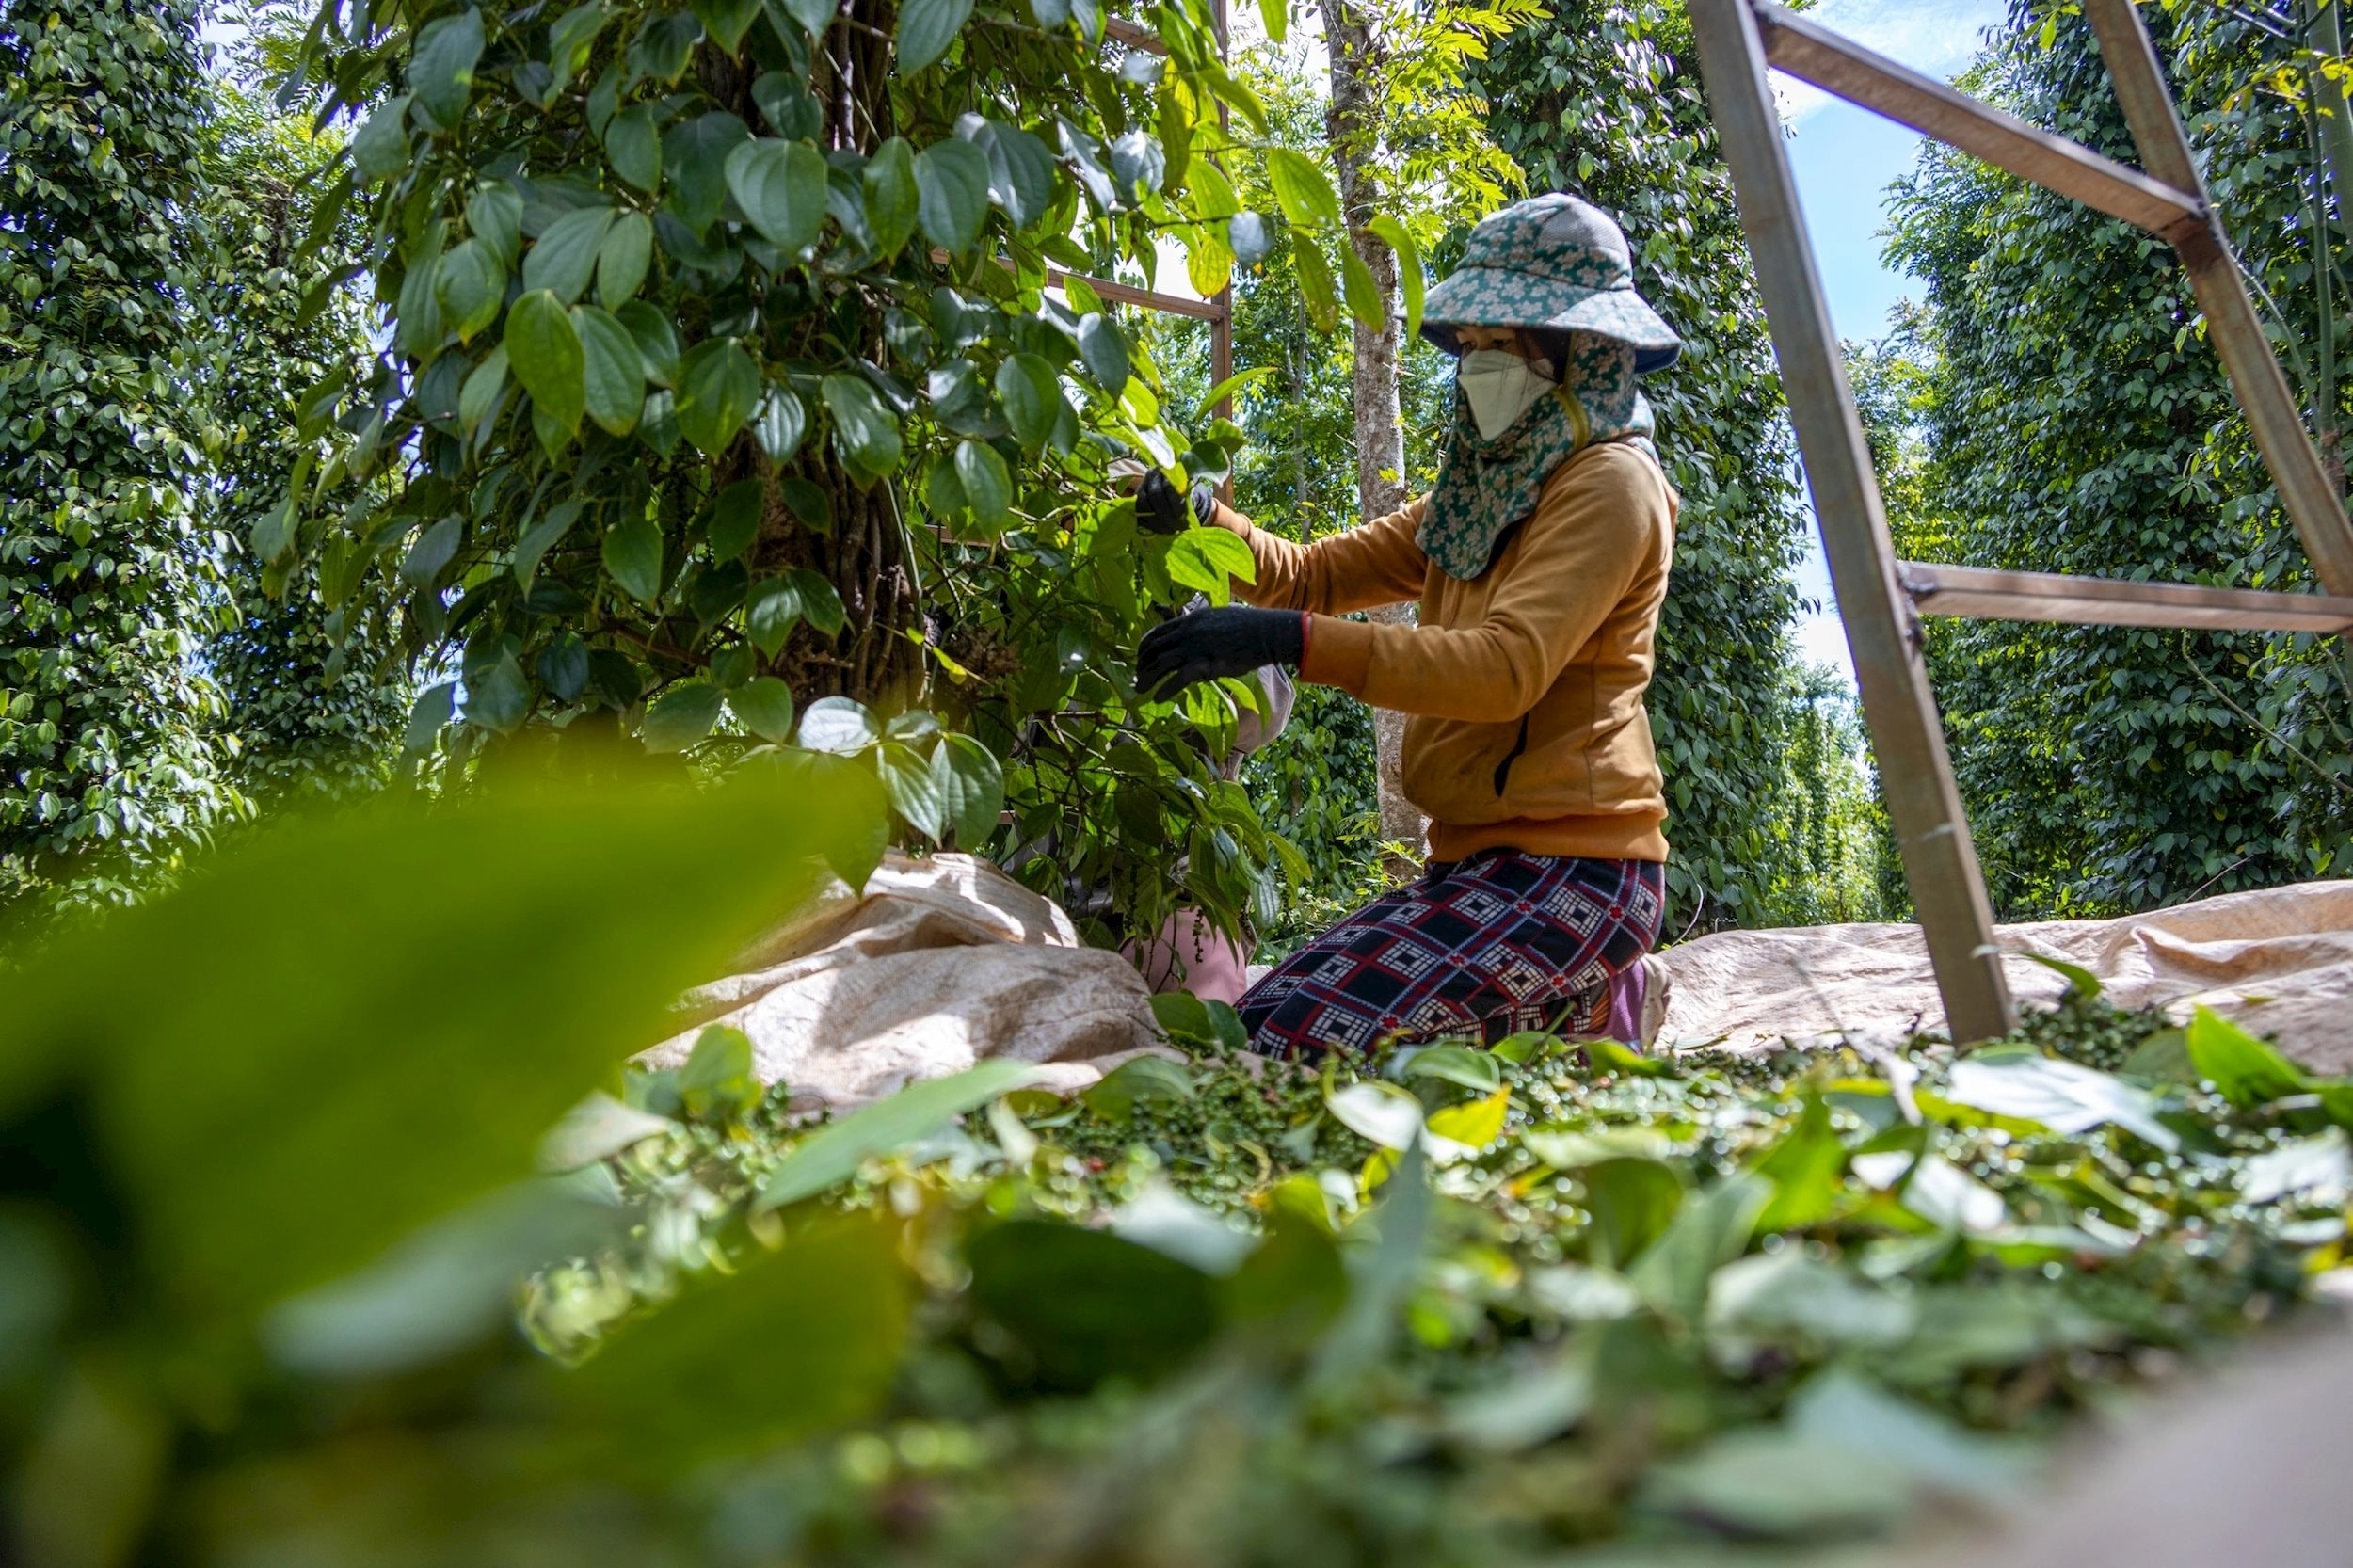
[1352, 127]
[864, 550]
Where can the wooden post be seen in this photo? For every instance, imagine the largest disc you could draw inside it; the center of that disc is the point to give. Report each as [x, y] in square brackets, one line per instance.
[1221, 323]
[1915, 772]
[2312, 501]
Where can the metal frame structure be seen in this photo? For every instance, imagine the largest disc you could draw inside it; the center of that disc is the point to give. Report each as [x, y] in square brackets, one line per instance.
[1880, 598]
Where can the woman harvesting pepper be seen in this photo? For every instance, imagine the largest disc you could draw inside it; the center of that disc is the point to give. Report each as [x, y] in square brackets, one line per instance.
[1540, 560]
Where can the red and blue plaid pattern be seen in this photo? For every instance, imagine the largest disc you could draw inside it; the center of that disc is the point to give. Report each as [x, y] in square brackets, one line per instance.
[1480, 947]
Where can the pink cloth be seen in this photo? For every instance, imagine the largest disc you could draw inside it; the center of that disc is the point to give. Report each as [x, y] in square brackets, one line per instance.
[1627, 988]
[1190, 954]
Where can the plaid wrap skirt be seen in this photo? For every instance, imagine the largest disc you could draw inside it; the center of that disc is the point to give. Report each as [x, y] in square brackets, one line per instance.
[1476, 948]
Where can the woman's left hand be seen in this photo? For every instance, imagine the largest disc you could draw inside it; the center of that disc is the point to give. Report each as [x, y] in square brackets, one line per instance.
[1209, 645]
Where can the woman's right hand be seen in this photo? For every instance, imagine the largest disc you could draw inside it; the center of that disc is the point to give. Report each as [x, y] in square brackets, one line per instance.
[1160, 507]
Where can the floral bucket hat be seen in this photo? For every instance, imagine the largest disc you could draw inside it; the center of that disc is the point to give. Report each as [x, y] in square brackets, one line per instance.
[1550, 264]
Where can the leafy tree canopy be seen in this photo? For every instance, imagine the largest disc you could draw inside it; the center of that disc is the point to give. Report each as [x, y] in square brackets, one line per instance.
[159, 338]
[315, 698]
[109, 577]
[728, 372]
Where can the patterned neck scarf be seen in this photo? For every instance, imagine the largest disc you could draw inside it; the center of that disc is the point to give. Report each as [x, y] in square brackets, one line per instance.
[1485, 487]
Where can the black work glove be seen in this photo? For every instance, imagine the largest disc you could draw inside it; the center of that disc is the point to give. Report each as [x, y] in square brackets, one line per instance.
[1211, 644]
[1160, 509]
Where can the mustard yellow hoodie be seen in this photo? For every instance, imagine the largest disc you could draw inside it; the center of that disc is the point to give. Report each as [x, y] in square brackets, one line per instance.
[1523, 686]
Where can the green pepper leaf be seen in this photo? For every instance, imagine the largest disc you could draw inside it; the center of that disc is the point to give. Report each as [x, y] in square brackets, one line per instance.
[779, 423]
[1213, 198]
[633, 147]
[1315, 283]
[565, 256]
[2248, 1071]
[379, 147]
[417, 328]
[971, 788]
[1021, 169]
[622, 259]
[718, 386]
[611, 375]
[632, 553]
[764, 704]
[471, 285]
[571, 39]
[734, 519]
[952, 194]
[543, 350]
[913, 793]
[1409, 274]
[892, 201]
[440, 66]
[987, 487]
[776, 606]
[499, 698]
[726, 21]
[681, 716]
[479, 395]
[789, 107]
[1302, 190]
[926, 28]
[816, 16]
[1104, 349]
[694, 155]
[534, 544]
[781, 188]
[495, 214]
[1032, 396]
[657, 344]
[1363, 294]
[866, 435]
[838, 725]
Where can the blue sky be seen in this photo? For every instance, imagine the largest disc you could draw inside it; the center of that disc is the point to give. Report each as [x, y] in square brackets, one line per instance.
[1844, 159]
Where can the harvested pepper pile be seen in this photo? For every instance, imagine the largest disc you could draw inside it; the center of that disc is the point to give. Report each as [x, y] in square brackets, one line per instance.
[1466, 1306]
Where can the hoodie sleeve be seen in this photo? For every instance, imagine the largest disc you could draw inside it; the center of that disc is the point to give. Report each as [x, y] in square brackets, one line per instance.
[1359, 569]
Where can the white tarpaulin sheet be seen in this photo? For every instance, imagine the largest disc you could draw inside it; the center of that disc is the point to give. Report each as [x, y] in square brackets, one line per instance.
[2277, 961]
[942, 962]
[939, 962]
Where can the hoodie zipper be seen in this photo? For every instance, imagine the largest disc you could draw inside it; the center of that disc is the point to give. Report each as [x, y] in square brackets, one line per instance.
[1503, 769]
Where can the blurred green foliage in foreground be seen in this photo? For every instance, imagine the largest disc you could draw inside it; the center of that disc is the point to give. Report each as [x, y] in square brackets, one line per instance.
[293, 1269]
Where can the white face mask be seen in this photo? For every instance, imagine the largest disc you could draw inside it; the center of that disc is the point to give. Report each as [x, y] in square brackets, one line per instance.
[1501, 387]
